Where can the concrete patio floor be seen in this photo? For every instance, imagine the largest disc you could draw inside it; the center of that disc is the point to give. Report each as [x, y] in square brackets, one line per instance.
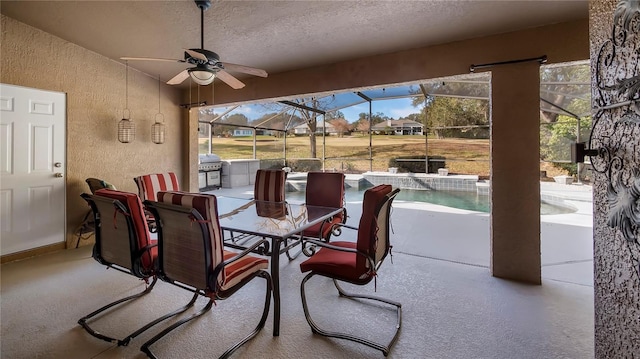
[452, 306]
[462, 236]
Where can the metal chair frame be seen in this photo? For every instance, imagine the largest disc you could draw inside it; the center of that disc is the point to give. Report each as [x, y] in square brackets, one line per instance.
[385, 348]
[158, 209]
[135, 270]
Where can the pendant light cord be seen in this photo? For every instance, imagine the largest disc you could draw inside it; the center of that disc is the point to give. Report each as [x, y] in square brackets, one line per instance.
[158, 93]
[126, 86]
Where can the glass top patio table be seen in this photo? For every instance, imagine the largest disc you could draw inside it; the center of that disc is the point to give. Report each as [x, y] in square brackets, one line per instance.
[280, 222]
[269, 219]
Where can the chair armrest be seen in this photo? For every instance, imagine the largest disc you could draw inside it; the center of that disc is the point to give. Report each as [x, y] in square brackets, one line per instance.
[146, 248]
[345, 226]
[341, 249]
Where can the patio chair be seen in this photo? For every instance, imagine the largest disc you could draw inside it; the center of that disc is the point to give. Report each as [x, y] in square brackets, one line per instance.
[276, 210]
[96, 184]
[123, 243]
[88, 225]
[191, 256]
[270, 185]
[268, 191]
[325, 189]
[148, 187]
[356, 262]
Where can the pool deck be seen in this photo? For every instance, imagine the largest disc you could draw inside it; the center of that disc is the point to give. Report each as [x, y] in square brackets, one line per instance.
[434, 232]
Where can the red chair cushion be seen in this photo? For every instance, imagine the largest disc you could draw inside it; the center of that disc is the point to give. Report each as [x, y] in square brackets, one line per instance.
[150, 185]
[368, 227]
[133, 204]
[325, 189]
[269, 185]
[235, 272]
[337, 264]
[350, 266]
[322, 229]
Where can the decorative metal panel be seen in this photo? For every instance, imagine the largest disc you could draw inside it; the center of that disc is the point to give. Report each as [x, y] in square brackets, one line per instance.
[617, 125]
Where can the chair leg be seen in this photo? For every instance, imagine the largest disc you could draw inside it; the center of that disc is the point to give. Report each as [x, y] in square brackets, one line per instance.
[125, 341]
[84, 222]
[146, 346]
[315, 329]
[263, 319]
[298, 241]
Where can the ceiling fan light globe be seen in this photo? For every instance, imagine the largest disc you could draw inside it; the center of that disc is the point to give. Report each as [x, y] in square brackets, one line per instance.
[202, 76]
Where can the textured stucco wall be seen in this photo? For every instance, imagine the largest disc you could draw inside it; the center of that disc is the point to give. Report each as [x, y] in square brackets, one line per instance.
[616, 285]
[95, 87]
[515, 161]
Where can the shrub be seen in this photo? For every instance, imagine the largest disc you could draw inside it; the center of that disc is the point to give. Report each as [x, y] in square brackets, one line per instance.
[271, 164]
[305, 164]
[417, 166]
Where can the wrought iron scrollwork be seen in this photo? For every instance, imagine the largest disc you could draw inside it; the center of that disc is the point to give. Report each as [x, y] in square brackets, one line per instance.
[617, 124]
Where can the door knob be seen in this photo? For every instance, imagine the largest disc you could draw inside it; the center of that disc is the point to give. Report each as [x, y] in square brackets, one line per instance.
[57, 164]
[58, 174]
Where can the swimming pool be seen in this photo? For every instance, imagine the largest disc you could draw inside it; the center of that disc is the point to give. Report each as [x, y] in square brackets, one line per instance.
[456, 199]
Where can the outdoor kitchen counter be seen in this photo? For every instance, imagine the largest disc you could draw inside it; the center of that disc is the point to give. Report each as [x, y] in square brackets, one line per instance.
[239, 172]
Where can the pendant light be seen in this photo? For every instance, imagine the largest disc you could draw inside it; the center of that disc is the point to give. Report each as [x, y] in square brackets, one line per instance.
[126, 127]
[157, 129]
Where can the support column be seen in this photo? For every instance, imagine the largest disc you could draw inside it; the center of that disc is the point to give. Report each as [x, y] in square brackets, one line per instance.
[515, 166]
[191, 149]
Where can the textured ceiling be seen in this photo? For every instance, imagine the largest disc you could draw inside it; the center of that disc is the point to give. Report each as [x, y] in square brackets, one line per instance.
[279, 36]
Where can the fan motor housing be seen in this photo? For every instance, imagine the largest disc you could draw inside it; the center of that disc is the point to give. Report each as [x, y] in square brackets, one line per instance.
[203, 4]
[212, 58]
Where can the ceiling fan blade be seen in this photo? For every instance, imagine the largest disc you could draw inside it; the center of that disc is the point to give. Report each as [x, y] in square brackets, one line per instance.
[177, 79]
[244, 69]
[149, 59]
[229, 79]
[196, 54]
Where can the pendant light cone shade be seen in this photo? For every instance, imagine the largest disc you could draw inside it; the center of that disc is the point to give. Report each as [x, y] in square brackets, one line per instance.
[157, 133]
[126, 131]
[202, 76]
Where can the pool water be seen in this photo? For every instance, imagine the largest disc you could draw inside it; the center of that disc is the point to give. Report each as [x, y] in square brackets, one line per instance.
[456, 199]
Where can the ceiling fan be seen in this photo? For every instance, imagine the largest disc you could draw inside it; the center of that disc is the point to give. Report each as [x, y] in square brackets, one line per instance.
[207, 63]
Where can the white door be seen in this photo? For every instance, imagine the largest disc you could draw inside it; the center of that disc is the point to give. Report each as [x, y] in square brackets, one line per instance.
[32, 168]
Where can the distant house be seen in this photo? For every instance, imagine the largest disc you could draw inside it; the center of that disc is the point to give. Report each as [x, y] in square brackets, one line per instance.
[304, 130]
[242, 132]
[399, 127]
[247, 131]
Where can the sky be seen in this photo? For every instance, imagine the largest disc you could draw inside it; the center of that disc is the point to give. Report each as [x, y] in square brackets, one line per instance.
[394, 108]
